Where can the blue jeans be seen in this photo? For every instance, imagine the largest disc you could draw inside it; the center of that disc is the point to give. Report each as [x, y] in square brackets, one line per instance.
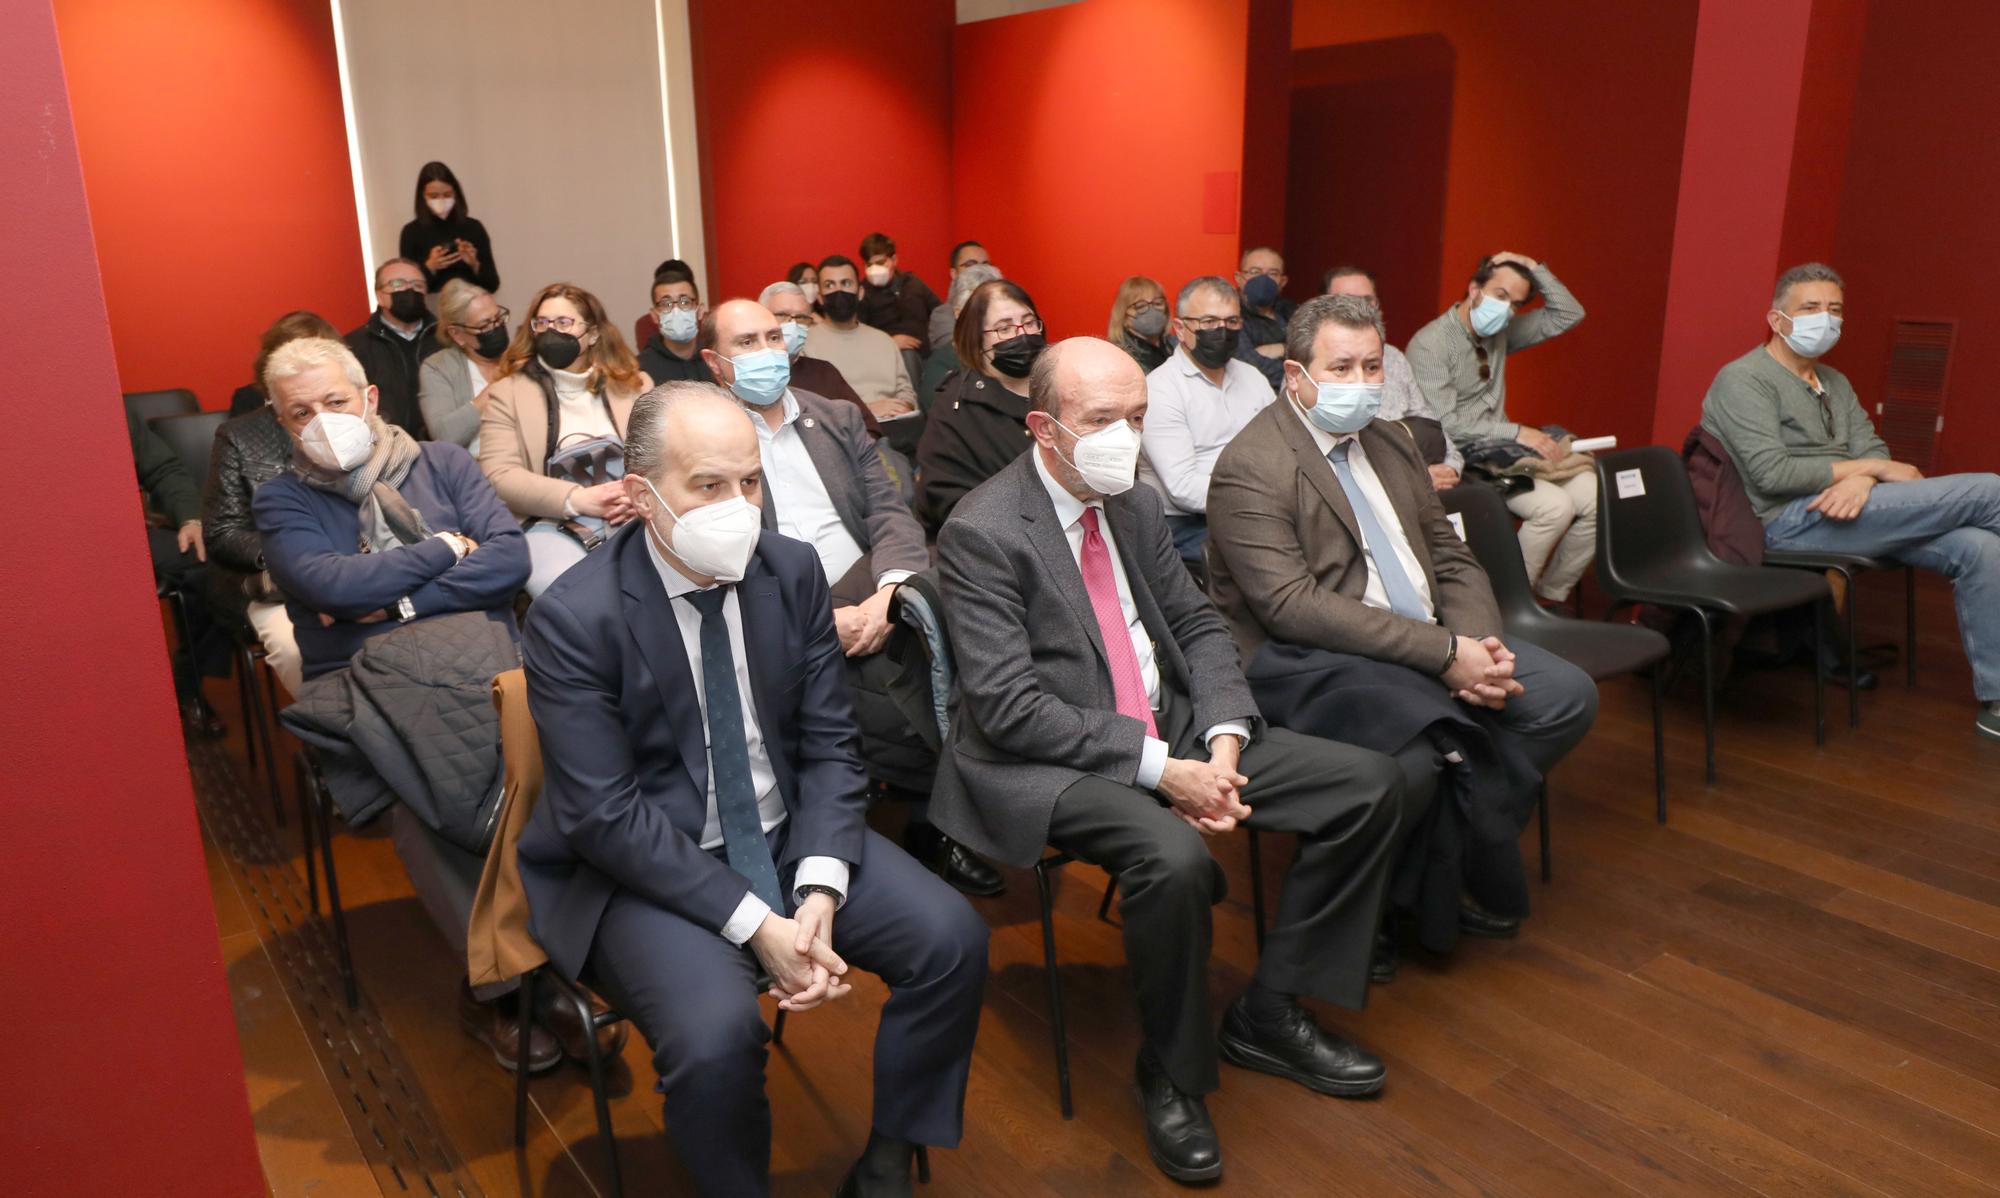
[1190, 533]
[1949, 524]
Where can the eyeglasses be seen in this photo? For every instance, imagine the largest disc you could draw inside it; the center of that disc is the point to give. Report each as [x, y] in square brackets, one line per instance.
[1485, 371]
[965, 262]
[681, 303]
[1015, 328]
[1202, 324]
[561, 324]
[481, 327]
[804, 320]
[1153, 305]
[395, 285]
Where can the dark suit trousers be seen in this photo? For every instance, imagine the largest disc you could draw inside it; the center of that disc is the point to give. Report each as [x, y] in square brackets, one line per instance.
[1344, 804]
[693, 997]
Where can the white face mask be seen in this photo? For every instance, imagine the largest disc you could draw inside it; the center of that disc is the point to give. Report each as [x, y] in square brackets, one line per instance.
[337, 441]
[812, 292]
[442, 205]
[1108, 459]
[879, 275]
[716, 540]
[1813, 334]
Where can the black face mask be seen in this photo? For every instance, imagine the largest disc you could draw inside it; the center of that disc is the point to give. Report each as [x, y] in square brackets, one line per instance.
[493, 341]
[1214, 347]
[558, 351]
[407, 306]
[1015, 356]
[841, 306]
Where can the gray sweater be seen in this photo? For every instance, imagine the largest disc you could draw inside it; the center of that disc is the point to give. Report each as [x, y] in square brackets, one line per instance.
[1783, 436]
[1443, 356]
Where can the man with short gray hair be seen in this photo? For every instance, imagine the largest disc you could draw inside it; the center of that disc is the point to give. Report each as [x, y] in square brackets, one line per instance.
[1195, 402]
[788, 302]
[1820, 477]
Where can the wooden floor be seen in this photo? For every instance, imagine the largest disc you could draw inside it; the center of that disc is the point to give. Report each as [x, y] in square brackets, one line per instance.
[1791, 989]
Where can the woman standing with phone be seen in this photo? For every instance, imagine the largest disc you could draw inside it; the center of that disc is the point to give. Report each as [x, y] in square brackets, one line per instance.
[444, 238]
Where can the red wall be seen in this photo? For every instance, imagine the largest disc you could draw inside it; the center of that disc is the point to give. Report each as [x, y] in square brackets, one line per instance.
[819, 128]
[215, 153]
[1917, 234]
[1565, 145]
[122, 1071]
[1086, 137]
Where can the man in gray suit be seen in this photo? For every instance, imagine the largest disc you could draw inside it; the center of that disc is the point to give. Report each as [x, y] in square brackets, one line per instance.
[1104, 712]
[824, 484]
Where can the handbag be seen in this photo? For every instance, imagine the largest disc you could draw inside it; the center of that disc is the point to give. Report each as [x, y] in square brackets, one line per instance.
[586, 462]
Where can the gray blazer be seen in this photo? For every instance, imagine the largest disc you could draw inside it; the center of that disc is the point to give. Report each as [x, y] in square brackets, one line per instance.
[1037, 711]
[444, 395]
[869, 506]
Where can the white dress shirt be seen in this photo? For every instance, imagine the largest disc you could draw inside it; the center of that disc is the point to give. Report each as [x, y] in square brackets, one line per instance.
[1189, 420]
[805, 509]
[812, 871]
[1069, 512]
[1385, 515]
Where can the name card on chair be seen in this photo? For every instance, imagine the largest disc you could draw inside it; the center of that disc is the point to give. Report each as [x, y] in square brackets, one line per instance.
[1631, 484]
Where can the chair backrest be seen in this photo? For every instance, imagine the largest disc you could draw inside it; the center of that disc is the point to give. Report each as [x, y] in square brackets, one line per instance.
[175, 401]
[498, 944]
[192, 438]
[1647, 523]
[920, 604]
[1489, 533]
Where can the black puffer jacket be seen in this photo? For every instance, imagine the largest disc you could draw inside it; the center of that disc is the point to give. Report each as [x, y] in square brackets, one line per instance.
[249, 450]
[975, 428]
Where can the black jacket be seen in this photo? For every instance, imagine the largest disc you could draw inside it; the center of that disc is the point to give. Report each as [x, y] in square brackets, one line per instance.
[976, 427]
[420, 235]
[662, 366]
[1150, 357]
[904, 306]
[249, 450]
[391, 364]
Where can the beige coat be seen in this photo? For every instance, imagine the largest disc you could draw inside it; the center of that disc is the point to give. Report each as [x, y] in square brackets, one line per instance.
[514, 438]
[498, 945]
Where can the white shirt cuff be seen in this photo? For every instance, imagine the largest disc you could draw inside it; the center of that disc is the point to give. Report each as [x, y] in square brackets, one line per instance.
[749, 916]
[889, 578]
[1237, 730]
[1152, 763]
[457, 546]
[830, 872]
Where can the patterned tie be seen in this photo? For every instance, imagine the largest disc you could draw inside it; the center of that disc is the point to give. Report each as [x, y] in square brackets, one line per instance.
[1403, 597]
[729, 753]
[1126, 682]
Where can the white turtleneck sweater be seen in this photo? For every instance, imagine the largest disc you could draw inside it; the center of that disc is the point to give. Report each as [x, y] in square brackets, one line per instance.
[579, 414]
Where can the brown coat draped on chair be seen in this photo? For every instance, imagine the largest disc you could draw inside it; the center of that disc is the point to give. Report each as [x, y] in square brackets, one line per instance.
[498, 944]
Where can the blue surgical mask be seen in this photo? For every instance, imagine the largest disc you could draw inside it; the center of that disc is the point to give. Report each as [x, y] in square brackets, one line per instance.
[761, 376]
[1344, 408]
[1813, 333]
[679, 326]
[795, 338]
[1490, 315]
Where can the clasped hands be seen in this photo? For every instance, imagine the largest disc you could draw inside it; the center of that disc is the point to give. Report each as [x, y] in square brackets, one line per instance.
[1207, 795]
[1482, 675]
[798, 955]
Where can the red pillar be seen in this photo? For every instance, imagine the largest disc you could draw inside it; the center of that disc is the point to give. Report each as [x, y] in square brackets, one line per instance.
[123, 1074]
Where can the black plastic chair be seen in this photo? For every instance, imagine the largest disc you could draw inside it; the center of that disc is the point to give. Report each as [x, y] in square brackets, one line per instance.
[259, 702]
[192, 438]
[174, 401]
[1848, 565]
[1599, 649]
[1651, 549]
[316, 832]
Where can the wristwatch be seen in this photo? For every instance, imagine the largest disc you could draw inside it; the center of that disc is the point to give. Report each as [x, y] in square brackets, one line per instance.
[405, 611]
[814, 888]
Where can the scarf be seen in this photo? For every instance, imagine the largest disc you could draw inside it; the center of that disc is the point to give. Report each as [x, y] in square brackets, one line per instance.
[371, 486]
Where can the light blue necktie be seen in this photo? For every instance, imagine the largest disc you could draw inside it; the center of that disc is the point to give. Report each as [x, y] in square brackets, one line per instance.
[1403, 597]
[729, 754]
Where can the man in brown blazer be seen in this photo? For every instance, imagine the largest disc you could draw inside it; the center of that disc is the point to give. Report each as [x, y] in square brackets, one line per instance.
[1362, 616]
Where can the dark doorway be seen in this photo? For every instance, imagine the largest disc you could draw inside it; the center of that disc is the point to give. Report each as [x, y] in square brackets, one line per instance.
[1366, 159]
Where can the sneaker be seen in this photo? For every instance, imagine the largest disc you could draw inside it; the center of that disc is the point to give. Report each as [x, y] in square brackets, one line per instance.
[1988, 722]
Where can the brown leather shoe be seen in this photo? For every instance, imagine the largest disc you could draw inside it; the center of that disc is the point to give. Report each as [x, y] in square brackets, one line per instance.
[497, 1025]
[560, 1018]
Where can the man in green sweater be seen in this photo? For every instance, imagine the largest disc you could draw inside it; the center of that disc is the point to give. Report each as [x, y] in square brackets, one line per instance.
[1820, 478]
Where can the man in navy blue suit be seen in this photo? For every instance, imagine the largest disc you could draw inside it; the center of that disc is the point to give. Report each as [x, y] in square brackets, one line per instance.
[703, 796]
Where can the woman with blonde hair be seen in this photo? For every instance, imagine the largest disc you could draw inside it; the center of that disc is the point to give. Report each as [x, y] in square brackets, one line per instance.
[473, 330]
[552, 427]
[1139, 322]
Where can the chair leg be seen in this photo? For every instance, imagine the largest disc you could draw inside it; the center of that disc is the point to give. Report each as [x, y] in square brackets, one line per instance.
[1819, 676]
[527, 1001]
[246, 695]
[308, 832]
[1542, 821]
[257, 723]
[1104, 904]
[1659, 746]
[1707, 690]
[1909, 625]
[598, 1097]
[1055, 989]
[1257, 889]
[923, 1165]
[267, 729]
[778, 1027]
[1853, 663]
[323, 818]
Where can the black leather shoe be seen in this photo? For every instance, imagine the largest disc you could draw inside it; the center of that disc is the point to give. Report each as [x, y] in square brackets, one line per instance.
[202, 720]
[1861, 680]
[559, 1018]
[952, 861]
[1382, 962]
[1293, 1046]
[497, 1025]
[1179, 1136]
[868, 1178]
[1475, 920]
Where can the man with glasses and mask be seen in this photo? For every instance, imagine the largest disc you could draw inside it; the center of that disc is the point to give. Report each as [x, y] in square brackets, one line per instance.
[1104, 712]
[673, 353]
[1460, 363]
[796, 318]
[1821, 478]
[1196, 401]
[866, 357]
[701, 816]
[395, 340]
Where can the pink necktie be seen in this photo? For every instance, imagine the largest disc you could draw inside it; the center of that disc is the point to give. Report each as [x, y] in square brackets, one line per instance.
[1126, 682]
